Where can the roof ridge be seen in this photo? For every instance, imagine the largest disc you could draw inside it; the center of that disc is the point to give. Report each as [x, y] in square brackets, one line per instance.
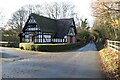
[49, 18]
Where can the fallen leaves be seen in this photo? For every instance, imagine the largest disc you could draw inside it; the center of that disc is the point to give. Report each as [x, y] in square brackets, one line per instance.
[110, 63]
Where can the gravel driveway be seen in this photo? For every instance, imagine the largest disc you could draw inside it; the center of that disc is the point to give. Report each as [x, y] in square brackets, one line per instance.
[80, 63]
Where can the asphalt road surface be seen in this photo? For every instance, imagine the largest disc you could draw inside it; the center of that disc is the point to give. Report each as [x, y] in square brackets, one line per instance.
[80, 63]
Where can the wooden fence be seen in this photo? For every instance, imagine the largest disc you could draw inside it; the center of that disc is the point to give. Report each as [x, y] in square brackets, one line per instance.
[114, 45]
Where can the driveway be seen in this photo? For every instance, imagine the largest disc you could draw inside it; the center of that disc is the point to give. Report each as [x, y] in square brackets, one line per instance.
[80, 63]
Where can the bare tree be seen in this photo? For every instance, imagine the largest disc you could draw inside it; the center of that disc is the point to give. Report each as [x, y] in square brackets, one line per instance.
[60, 10]
[19, 18]
[33, 9]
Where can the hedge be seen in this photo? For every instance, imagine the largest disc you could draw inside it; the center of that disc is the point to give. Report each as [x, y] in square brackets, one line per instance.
[50, 47]
[9, 44]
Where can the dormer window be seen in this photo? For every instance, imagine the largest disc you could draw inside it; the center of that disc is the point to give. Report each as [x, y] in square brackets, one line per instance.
[71, 32]
[32, 20]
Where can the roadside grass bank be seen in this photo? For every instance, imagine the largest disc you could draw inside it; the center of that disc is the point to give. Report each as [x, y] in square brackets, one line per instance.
[110, 63]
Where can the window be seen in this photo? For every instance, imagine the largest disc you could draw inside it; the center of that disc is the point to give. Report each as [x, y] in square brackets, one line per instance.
[71, 32]
[59, 40]
[65, 37]
[39, 36]
[36, 29]
[46, 37]
[40, 40]
[39, 32]
[26, 36]
[32, 29]
[27, 33]
[63, 40]
[44, 40]
[32, 20]
[26, 40]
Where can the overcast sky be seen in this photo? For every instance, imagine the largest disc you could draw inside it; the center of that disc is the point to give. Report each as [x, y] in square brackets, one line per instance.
[8, 7]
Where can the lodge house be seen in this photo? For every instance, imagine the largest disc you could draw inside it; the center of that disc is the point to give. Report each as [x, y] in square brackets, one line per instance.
[40, 29]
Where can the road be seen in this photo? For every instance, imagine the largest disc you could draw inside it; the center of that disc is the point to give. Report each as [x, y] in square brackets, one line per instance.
[80, 63]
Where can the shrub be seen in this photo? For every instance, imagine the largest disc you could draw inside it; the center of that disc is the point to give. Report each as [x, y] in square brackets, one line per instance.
[25, 46]
[14, 44]
[4, 44]
[84, 35]
[50, 47]
[9, 44]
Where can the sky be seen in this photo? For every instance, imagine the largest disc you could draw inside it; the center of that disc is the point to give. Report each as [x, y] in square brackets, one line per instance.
[8, 7]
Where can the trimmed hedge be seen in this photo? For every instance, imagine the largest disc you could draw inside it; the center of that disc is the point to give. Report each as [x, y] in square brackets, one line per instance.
[50, 47]
[9, 44]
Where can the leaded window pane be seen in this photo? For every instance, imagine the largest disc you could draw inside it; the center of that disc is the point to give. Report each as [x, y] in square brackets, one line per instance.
[44, 40]
[26, 36]
[40, 36]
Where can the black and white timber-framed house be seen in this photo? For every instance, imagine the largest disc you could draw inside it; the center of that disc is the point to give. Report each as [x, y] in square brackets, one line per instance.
[40, 29]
